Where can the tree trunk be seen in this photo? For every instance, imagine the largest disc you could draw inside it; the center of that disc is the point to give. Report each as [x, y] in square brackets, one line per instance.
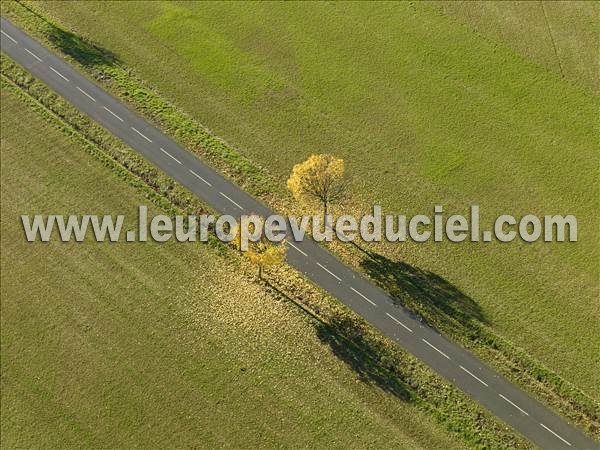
[325, 212]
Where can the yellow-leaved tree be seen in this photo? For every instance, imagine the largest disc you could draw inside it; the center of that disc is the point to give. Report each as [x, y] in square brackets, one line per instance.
[265, 254]
[255, 246]
[319, 178]
[253, 221]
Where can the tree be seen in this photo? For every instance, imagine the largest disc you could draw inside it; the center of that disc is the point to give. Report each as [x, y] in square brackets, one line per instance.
[243, 234]
[265, 254]
[252, 242]
[321, 178]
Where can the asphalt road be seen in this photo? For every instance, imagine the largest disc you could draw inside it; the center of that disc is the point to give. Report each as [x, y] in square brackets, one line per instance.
[451, 361]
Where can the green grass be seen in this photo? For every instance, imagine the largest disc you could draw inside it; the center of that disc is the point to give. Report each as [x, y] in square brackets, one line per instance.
[449, 316]
[146, 345]
[424, 110]
[561, 36]
[374, 359]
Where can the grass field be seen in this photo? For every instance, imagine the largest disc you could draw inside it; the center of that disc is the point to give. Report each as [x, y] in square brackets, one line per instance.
[158, 345]
[561, 36]
[425, 110]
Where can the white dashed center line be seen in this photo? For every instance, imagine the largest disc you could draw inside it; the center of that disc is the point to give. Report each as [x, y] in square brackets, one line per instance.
[58, 73]
[474, 376]
[9, 36]
[85, 93]
[562, 439]
[112, 113]
[169, 155]
[232, 201]
[508, 400]
[364, 296]
[398, 322]
[199, 177]
[33, 54]
[292, 245]
[435, 348]
[142, 135]
[329, 271]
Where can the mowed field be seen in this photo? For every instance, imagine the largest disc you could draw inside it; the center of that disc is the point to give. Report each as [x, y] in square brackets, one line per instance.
[427, 105]
[157, 345]
[562, 36]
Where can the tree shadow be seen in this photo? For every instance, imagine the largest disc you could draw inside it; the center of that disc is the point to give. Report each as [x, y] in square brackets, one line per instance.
[348, 342]
[426, 292]
[363, 356]
[85, 53]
